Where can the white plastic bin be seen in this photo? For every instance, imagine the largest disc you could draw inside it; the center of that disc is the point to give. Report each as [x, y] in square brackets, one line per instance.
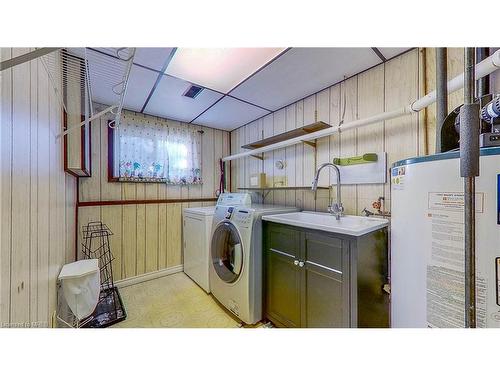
[81, 284]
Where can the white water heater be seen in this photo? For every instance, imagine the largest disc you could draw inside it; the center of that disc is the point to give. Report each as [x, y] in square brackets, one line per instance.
[427, 241]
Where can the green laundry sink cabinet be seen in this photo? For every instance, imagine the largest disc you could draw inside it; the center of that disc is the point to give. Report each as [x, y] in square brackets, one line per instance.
[314, 278]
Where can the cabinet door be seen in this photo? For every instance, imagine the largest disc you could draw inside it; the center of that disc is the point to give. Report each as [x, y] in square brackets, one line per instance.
[283, 239]
[283, 276]
[325, 301]
[283, 289]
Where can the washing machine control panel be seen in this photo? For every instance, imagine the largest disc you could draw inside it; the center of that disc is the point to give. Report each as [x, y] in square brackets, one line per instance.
[223, 212]
[234, 199]
[243, 218]
[229, 212]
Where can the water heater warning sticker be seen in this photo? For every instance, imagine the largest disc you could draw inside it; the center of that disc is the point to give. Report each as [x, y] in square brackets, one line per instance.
[452, 201]
[398, 178]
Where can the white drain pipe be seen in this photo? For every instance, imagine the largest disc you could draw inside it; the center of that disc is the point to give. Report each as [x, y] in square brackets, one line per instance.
[484, 68]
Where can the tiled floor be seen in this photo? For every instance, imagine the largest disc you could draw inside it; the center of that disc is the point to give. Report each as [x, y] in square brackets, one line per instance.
[172, 301]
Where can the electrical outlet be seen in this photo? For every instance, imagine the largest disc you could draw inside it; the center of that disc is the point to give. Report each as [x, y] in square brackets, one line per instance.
[279, 181]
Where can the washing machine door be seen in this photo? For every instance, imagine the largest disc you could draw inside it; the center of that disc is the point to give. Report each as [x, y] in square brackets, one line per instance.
[227, 252]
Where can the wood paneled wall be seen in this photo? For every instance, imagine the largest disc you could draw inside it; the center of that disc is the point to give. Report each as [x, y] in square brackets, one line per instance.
[383, 88]
[37, 203]
[147, 237]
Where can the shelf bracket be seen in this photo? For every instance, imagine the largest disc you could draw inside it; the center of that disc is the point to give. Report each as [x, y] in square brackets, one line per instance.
[260, 157]
[264, 195]
[309, 143]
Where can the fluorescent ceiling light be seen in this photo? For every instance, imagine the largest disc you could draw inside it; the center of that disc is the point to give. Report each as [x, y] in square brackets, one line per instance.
[220, 69]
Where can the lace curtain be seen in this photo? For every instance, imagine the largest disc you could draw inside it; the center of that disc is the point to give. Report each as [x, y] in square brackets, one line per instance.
[159, 153]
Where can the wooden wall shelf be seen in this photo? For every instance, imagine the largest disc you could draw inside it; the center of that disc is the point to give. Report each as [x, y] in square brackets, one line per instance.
[266, 190]
[308, 129]
[283, 188]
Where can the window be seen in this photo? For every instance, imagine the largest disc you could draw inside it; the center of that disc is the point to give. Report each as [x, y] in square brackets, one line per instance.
[155, 152]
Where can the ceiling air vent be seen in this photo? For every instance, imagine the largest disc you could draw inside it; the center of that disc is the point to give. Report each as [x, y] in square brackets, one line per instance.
[193, 91]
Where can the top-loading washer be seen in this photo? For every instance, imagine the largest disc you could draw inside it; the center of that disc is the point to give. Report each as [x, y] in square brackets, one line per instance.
[236, 258]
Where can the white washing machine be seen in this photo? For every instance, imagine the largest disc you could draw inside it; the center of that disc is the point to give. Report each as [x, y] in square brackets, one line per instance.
[236, 258]
[197, 230]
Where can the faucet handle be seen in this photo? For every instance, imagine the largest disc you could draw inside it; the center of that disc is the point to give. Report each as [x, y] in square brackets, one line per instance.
[339, 208]
[336, 208]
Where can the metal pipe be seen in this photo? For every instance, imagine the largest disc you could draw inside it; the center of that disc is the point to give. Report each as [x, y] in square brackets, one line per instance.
[483, 84]
[469, 76]
[441, 92]
[483, 88]
[469, 169]
[485, 67]
[470, 263]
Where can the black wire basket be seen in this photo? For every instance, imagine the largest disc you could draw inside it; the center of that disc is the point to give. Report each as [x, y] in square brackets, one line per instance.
[95, 245]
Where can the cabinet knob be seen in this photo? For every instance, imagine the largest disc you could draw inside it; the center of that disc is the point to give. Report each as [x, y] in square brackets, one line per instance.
[301, 264]
[296, 262]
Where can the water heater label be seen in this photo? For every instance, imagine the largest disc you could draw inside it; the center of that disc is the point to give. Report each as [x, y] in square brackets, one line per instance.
[452, 201]
[398, 178]
[445, 271]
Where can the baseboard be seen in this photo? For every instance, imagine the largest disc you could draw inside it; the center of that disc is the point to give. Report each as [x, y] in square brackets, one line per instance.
[148, 276]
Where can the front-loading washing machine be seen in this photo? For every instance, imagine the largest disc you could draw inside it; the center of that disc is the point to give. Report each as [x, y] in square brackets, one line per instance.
[236, 258]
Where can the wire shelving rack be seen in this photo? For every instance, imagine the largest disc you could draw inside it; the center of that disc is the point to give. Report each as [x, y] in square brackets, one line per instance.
[82, 76]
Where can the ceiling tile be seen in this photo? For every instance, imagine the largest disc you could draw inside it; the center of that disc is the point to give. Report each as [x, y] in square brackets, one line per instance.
[168, 101]
[301, 72]
[230, 113]
[391, 52]
[153, 58]
[220, 69]
[140, 83]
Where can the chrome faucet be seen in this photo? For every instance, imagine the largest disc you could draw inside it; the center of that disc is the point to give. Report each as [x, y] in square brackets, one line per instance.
[334, 208]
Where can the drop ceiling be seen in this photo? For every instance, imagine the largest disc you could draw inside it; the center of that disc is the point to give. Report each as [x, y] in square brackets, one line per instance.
[239, 85]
